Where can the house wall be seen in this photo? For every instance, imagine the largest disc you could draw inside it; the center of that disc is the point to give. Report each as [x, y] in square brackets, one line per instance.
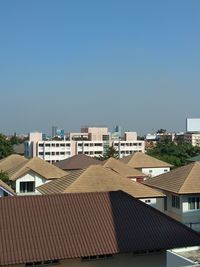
[150, 201]
[30, 177]
[174, 260]
[179, 257]
[126, 260]
[3, 191]
[151, 172]
[190, 217]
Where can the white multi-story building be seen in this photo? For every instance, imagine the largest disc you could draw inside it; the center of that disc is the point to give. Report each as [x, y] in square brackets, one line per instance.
[192, 138]
[192, 135]
[91, 141]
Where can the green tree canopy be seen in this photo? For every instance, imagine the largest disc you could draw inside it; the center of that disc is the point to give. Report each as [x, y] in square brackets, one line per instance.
[175, 154]
[6, 148]
[4, 177]
[109, 152]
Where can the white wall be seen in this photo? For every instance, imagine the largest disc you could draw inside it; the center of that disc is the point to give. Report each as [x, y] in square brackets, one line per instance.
[151, 172]
[30, 177]
[2, 190]
[176, 260]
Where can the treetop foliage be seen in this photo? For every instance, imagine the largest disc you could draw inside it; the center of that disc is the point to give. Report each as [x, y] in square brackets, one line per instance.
[175, 154]
[6, 148]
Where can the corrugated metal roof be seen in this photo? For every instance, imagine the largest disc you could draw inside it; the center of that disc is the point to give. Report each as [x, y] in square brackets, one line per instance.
[62, 226]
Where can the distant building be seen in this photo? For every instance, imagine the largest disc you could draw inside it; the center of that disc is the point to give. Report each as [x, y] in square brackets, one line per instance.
[192, 135]
[91, 141]
[57, 132]
[192, 138]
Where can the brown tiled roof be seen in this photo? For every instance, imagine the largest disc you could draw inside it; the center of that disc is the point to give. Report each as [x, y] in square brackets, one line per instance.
[77, 162]
[140, 160]
[12, 162]
[122, 168]
[97, 178]
[16, 166]
[6, 187]
[183, 180]
[40, 228]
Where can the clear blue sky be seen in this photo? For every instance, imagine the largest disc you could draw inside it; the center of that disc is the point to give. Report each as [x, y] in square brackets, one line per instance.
[70, 63]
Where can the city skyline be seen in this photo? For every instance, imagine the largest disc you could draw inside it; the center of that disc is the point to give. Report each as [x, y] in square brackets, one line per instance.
[74, 63]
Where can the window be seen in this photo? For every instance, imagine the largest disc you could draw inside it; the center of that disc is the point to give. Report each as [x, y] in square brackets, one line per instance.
[176, 202]
[47, 145]
[194, 203]
[97, 144]
[165, 203]
[165, 170]
[147, 201]
[27, 187]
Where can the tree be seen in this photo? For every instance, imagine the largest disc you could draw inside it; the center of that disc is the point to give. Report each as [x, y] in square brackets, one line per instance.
[6, 148]
[4, 177]
[14, 140]
[175, 154]
[161, 131]
[109, 152]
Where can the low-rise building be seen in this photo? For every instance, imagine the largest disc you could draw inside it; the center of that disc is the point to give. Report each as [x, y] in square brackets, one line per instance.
[182, 189]
[27, 174]
[87, 229]
[147, 164]
[192, 139]
[97, 178]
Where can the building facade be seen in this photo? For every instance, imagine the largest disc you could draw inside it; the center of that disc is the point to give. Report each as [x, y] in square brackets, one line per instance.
[91, 141]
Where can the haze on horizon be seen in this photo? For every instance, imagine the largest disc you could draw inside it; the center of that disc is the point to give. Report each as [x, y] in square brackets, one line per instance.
[134, 63]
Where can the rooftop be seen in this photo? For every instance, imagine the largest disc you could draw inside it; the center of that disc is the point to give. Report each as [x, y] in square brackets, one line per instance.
[183, 180]
[97, 178]
[77, 162]
[140, 160]
[16, 165]
[63, 226]
[122, 168]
